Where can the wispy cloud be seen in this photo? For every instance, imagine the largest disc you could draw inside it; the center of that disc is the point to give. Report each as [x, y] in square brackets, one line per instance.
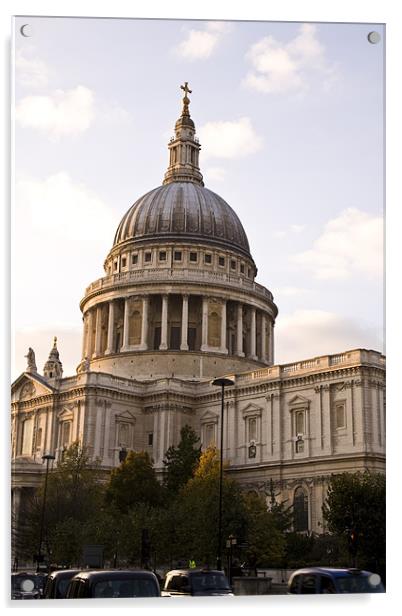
[62, 113]
[307, 333]
[290, 231]
[200, 44]
[230, 139]
[278, 67]
[30, 71]
[350, 244]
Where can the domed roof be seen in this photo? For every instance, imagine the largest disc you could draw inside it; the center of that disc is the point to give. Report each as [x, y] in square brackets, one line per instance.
[183, 211]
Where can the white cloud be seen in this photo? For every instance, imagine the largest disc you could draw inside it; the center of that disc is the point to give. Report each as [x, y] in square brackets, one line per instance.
[231, 139]
[350, 244]
[308, 333]
[29, 70]
[200, 44]
[62, 113]
[279, 67]
[62, 233]
[289, 291]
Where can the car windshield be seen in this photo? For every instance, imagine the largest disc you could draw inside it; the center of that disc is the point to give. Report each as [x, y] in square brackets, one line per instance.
[359, 583]
[209, 581]
[140, 587]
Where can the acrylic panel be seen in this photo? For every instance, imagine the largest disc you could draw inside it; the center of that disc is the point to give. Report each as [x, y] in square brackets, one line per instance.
[196, 200]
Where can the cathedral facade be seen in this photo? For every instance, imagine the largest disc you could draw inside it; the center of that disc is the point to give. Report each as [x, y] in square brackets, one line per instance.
[178, 307]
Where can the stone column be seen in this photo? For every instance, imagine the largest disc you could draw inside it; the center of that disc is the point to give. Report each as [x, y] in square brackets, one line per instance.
[164, 329]
[144, 323]
[239, 341]
[253, 354]
[124, 346]
[84, 336]
[184, 324]
[110, 329]
[223, 348]
[204, 344]
[271, 341]
[89, 337]
[263, 337]
[98, 331]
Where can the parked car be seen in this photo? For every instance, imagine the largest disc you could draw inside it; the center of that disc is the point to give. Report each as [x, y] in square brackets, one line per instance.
[195, 583]
[327, 580]
[113, 583]
[57, 583]
[25, 585]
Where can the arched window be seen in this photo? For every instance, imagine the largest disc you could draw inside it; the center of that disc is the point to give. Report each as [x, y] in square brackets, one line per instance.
[300, 510]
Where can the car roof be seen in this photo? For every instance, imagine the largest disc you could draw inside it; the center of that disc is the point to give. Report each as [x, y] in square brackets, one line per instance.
[64, 573]
[194, 570]
[100, 574]
[332, 571]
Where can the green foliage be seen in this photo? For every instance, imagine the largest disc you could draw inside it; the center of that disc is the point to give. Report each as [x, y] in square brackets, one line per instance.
[356, 501]
[181, 461]
[282, 514]
[134, 482]
[266, 541]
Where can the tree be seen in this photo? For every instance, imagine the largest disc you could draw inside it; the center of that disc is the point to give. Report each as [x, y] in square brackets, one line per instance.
[181, 461]
[134, 482]
[355, 510]
[197, 511]
[73, 509]
[266, 542]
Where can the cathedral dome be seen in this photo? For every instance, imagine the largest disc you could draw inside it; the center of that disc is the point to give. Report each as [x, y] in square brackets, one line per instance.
[183, 211]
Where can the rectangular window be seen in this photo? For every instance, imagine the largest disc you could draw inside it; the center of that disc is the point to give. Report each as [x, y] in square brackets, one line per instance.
[299, 419]
[193, 257]
[175, 333]
[135, 259]
[177, 255]
[340, 416]
[191, 338]
[221, 261]
[162, 255]
[242, 268]
[252, 429]
[150, 438]
[27, 433]
[233, 264]
[209, 435]
[207, 258]
[147, 257]
[115, 266]
[123, 262]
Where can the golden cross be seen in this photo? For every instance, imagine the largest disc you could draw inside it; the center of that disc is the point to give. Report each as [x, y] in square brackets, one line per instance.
[186, 88]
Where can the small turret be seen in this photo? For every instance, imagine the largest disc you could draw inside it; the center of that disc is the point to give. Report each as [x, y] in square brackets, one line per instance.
[53, 368]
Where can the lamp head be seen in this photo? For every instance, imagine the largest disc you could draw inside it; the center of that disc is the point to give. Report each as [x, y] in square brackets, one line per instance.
[222, 382]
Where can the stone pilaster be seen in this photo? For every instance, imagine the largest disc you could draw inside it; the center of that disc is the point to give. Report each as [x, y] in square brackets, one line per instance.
[184, 324]
[223, 348]
[110, 329]
[204, 336]
[239, 337]
[253, 333]
[164, 323]
[125, 324]
[144, 323]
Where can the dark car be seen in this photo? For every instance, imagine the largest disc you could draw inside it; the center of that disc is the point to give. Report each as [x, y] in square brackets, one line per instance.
[327, 580]
[25, 585]
[112, 584]
[195, 583]
[57, 583]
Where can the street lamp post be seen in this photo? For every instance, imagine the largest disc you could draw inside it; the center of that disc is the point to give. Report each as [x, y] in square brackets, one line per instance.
[222, 382]
[46, 457]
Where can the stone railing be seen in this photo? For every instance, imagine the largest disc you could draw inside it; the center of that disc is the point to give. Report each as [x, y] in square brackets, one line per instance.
[357, 356]
[186, 275]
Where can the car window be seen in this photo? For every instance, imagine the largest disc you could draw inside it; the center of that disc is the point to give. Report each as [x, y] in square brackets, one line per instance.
[308, 584]
[209, 581]
[174, 583]
[327, 585]
[356, 583]
[135, 587]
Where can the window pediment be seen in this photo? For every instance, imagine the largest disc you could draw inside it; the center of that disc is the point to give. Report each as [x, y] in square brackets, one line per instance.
[126, 416]
[299, 402]
[252, 410]
[65, 415]
[209, 417]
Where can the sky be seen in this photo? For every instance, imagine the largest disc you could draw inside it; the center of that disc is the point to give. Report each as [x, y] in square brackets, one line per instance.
[290, 120]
